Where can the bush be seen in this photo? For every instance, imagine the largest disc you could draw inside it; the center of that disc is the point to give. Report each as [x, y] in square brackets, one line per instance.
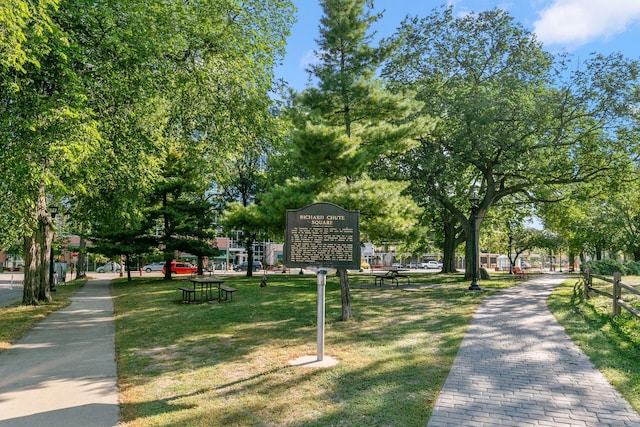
[633, 268]
[606, 267]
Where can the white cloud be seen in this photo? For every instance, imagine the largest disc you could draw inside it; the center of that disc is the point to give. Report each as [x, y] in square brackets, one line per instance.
[309, 58]
[575, 22]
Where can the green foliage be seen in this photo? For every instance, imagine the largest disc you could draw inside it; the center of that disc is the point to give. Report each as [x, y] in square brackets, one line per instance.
[96, 96]
[632, 268]
[384, 212]
[505, 124]
[350, 124]
[21, 21]
[606, 267]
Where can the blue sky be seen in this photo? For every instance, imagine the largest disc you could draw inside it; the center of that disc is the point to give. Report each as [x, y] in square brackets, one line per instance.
[576, 26]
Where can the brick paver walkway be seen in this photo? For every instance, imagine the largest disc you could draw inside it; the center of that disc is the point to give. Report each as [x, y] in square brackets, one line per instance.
[517, 367]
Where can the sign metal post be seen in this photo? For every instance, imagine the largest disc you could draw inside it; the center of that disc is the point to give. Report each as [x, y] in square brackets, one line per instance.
[322, 235]
[322, 281]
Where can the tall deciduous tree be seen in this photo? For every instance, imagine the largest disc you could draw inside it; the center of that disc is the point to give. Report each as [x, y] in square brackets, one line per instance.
[133, 75]
[46, 134]
[511, 118]
[174, 78]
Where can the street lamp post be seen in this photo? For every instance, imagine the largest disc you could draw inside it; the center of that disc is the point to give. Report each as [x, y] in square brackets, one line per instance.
[53, 210]
[474, 244]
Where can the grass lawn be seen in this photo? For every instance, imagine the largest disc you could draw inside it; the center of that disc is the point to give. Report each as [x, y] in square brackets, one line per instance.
[228, 364]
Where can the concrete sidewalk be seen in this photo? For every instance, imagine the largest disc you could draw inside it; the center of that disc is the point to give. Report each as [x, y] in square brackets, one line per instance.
[517, 367]
[63, 371]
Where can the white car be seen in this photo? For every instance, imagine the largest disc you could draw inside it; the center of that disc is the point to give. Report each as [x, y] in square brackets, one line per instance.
[109, 267]
[432, 264]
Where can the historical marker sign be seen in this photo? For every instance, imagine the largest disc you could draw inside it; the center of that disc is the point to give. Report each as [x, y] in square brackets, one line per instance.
[323, 235]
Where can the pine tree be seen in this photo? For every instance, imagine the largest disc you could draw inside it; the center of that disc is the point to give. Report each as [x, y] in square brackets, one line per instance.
[349, 127]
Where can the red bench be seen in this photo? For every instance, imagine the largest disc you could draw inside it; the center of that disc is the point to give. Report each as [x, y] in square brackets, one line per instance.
[521, 273]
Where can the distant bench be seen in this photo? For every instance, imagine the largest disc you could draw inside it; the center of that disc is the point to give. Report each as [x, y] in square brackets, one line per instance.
[520, 273]
[392, 275]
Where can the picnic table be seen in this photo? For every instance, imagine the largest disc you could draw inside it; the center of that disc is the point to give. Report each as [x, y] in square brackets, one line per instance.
[390, 275]
[206, 289]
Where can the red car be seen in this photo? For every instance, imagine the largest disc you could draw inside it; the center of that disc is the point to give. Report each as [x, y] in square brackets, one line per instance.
[181, 268]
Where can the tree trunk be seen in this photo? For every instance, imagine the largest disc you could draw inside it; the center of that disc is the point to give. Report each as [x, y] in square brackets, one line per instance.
[127, 261]
[249, 247]
[346, 294]
[82, 256]
[468, 259]
[599, 249]
[472, 230]
[572, 259]
[37, 251]
[200, 264]
[168, 254]
[167, 265]
[449, 248]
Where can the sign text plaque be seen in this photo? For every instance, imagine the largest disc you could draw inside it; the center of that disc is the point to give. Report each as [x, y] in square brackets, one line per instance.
[323, 235]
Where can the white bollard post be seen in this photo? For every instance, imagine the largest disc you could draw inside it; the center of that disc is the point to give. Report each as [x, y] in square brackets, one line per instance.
[322, 281]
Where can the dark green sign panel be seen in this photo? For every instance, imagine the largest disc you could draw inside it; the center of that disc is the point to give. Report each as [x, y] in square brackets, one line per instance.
[322, 235]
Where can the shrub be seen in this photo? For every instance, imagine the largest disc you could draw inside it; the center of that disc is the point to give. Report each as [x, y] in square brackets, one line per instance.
[633, 268]
[606, 267]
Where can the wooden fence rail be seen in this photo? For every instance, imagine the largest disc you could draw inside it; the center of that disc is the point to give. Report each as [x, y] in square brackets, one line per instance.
[615, 294]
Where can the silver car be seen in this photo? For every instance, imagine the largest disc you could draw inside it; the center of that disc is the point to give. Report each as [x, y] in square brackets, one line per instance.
[109, 267]
[154, 266]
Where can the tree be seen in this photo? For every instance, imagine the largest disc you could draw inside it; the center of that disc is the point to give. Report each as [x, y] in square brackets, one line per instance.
[346, 127]
[46, 134]
[173, 78]
[511, 119]
[93, 92]
[122, 242]
[241, 177]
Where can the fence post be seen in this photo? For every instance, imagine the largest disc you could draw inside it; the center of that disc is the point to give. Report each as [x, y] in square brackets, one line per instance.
[587, 282]
[617, 292]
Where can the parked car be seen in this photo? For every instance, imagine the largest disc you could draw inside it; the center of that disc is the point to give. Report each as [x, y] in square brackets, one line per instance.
[432, 264]
[181, 268]
[109, 267]
[257, 265]
[154, 266]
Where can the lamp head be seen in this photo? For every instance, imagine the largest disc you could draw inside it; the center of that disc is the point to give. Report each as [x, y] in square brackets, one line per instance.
[53, 210]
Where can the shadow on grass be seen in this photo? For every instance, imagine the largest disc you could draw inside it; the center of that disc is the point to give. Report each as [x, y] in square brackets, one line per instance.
[232, 355]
